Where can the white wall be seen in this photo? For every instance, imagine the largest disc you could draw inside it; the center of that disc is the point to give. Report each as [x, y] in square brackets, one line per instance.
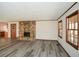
[46, 30]
[72, 51]
[9, 28]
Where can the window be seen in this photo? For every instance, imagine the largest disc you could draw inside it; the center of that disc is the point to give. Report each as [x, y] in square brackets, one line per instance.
[72, 29]
[60, 28]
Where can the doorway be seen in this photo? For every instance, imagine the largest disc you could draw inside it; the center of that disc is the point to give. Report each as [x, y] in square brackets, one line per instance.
[13, 31]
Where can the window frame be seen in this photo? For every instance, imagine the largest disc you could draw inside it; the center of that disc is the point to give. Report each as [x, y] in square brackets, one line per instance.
[67, 28]
[60, 26]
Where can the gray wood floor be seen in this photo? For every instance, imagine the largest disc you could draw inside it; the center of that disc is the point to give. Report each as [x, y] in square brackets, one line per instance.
[37, 48]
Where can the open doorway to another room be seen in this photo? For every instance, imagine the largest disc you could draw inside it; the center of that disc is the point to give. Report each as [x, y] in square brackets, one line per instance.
[3, 30]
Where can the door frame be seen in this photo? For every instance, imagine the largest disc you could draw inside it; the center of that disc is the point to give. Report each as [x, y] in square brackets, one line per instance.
[11, 30]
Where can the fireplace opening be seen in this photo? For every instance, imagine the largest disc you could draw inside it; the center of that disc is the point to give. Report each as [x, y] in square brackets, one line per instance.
[26, 34]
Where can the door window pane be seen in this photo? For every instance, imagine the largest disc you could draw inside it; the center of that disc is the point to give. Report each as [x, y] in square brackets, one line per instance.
[69, 36]
[71, 33]
[76, 22]
[70, 24]
[72, 19]
[75, 37]
[72, 29]
[76, 25]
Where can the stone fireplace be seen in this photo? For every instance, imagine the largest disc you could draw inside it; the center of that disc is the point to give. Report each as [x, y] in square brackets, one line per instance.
[27, 30]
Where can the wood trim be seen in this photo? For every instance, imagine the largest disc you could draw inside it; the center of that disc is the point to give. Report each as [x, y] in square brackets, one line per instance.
[78, 29]
[66, 29]
[76, 47]
[73, 45]
[72, 14]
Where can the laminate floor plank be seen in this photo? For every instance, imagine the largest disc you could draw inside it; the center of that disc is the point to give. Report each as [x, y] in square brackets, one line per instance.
[37, 48]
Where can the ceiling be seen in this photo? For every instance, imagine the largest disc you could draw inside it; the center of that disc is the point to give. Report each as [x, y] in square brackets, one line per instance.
[16, 11]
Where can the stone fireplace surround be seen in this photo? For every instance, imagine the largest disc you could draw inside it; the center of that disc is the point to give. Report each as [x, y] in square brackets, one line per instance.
[27, 30]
